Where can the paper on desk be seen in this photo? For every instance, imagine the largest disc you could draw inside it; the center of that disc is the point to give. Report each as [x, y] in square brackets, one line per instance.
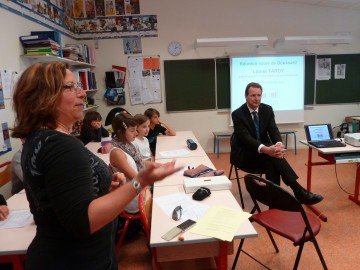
[220, 222]
[17, 219]
[191, 209]
[174, 153]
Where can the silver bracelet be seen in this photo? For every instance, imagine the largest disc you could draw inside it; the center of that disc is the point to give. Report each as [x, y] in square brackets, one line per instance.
[136, 185]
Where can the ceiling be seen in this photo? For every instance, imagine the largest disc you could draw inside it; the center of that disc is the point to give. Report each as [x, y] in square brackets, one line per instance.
[345, 4]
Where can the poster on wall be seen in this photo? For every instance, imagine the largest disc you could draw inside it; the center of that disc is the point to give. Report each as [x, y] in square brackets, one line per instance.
[144, 79]
[132, 45]
[5, 144]
[87, 19]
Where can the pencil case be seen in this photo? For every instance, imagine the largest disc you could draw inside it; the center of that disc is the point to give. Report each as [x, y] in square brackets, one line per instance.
[202, 171]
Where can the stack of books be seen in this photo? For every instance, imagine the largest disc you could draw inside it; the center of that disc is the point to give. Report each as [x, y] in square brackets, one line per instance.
[72, 52]
[82, 52]
[40, 44]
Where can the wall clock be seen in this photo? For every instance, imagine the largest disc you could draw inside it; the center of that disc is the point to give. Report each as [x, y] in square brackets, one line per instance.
[174, 48]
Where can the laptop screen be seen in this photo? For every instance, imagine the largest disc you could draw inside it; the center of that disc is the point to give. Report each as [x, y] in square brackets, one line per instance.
[318, 132]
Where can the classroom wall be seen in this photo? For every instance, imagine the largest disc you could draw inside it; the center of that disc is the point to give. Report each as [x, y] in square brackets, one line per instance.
[187, 20]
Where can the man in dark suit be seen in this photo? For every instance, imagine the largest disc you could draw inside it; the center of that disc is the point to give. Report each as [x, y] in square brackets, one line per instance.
[257, 144]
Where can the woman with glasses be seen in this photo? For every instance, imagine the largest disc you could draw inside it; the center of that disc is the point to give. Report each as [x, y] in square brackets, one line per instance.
[74, 198]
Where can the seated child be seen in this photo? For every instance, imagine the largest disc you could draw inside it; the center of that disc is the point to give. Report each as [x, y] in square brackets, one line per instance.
[124, 156]
[157, 127]
[141, 141]
[92, 129]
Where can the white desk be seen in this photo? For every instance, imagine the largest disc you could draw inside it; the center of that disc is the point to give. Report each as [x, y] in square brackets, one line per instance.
[194, 246]
[16, 241]
[93, 147]
[328, 154]
[168, 143]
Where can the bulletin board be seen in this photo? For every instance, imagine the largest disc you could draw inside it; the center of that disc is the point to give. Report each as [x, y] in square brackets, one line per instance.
[144, 79]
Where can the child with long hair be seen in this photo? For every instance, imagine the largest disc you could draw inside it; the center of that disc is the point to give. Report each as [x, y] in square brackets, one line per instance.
[92, 129]
[124, 156]
[141, 141]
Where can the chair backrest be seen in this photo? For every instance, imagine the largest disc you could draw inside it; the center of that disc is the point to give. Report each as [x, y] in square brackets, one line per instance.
[5, 173]
[112, 113]
[270, 194]
[145, 208]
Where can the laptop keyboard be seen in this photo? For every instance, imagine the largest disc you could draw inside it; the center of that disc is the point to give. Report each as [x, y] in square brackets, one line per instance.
[326, 144]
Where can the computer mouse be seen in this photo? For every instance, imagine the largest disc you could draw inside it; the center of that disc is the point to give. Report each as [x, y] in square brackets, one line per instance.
[201, 194]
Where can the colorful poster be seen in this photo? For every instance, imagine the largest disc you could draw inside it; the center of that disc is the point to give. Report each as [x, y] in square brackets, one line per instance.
[78, 9]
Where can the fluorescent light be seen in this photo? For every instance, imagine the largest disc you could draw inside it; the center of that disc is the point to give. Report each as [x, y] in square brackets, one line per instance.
[315, 40]
[231, 42]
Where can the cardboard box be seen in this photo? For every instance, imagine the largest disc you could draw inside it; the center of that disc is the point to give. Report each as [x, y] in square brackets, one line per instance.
[213, 183]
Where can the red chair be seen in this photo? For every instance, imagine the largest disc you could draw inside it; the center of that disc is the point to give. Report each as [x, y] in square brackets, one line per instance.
[285, 217]
[144, 215]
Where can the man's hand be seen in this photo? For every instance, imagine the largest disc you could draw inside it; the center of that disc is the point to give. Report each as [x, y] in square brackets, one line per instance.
[277, 150]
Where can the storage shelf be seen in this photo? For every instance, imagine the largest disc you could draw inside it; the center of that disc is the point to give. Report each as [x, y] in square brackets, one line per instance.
[90, 108]
[53, 58]
[91, 92]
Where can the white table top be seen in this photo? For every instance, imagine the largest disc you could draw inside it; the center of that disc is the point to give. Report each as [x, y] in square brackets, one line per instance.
[171, 143]
[246, 230]
[334, 150]
[93, 147]
[17, 240]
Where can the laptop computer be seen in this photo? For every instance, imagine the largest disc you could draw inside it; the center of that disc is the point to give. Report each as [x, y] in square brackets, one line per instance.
[321, 136]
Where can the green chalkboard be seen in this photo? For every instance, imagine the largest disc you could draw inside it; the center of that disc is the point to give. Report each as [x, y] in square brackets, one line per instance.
[309, 95]
[197, 84]
[223, 83]
[204, 84]
[345, 90]
[189, 84]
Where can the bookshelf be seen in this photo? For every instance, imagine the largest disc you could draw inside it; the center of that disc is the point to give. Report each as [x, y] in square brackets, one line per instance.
[53, 58]
[75, 66]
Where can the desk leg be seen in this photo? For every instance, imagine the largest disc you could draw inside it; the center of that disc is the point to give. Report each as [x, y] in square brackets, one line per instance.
[316, 211]
[155, 264]
[218, 146]
[214, 143]
[355, 197]
[222, 260]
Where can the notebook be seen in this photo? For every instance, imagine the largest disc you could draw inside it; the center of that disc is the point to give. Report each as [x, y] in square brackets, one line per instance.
[321, 136]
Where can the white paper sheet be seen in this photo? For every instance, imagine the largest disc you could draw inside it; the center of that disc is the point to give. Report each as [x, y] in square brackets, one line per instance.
[17, 219]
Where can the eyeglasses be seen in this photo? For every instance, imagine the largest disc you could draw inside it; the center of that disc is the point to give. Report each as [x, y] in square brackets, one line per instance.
[73, 87]
[177, 213]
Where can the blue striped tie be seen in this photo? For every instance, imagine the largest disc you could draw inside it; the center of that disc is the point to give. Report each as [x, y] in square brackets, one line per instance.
[256, 122]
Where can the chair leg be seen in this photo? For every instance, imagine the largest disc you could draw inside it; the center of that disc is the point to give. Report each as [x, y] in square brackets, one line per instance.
[272, 241]
[301, 246]
[319, 253]
[122, 236]
[237, 254]
[239, 187]
[231, 168]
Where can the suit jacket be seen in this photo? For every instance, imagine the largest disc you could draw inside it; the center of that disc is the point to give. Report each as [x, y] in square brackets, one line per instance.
[244, 145]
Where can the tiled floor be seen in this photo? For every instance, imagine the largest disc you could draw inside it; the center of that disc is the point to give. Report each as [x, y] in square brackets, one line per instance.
[338, 238]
